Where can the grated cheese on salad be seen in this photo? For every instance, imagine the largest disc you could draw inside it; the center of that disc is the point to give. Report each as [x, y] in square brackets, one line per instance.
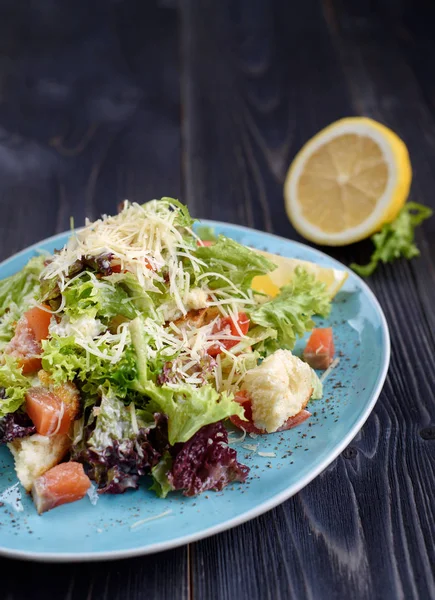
[135, 343]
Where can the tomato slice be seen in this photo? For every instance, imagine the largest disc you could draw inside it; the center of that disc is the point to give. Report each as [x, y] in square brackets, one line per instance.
[204, 243]
[52, 411]
[319, 351]
[242, 397]
[222, 325]
[62, 484]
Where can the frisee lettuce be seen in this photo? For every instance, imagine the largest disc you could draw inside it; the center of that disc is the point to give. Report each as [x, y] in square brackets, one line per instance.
[83, 297]
[22, 285]
[142, 301]
[396, 239]
[290, 312]
[14, 383]
[183, 218]
[17, 293]
[232, 261]
[8, 322]
[65, 361]
[206, 233]
[189, 408]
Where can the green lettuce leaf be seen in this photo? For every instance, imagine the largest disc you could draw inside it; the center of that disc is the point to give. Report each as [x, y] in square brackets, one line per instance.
[182, 219]
[114, 422]
[161, 485]
[105, 300]
[15, 385]
[290, 312]
[64, 360]
[233, 261]
[188, 408]
[206, 233]
[17, 293]
[141, 300]
[396, 239]
[16, 288]
[8, 322]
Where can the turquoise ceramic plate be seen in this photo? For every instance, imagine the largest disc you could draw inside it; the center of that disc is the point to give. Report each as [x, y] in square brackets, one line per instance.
[138, 522]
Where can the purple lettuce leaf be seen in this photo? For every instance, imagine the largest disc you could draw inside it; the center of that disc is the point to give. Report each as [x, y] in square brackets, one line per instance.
[101, 264]
[15, 425]
[205, 462]
[119, 465]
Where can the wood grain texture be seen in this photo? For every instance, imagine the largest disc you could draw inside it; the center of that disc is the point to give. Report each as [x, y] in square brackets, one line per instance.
[364, 528]
[159, 576]
[105, 100]
[89, 115]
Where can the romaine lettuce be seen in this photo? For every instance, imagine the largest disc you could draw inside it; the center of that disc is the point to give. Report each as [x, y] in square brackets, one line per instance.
[188, 408]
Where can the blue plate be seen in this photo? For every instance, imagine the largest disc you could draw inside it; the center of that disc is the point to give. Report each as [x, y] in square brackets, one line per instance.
[281, 464]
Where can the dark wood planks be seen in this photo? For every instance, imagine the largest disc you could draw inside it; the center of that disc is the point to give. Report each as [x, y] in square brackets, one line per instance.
[364, 528]
[89, 115]
[159, 576]
[250, 86]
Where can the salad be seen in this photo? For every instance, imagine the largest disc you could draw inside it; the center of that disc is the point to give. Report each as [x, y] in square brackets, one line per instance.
[126, 353]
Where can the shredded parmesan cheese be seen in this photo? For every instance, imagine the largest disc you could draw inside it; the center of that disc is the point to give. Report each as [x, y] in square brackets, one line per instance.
[252, 447]
[329, 369]
[232, 440]
[142, 521]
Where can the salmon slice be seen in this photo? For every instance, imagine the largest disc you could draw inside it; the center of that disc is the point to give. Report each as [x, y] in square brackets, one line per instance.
[62, 484]
[30, 330]
[319, 351]
[39, 321]
[52, 410]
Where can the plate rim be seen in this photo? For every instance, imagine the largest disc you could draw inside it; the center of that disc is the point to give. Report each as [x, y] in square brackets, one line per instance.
[63, 557]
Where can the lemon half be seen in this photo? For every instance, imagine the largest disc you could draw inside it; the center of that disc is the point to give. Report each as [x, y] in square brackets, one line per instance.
[347, 181]
[271, 283]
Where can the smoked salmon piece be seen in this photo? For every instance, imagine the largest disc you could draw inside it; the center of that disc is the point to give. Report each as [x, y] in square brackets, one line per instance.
[62, 484]
[39, 321]
[52, 410]
[30, 330]
[319, 351]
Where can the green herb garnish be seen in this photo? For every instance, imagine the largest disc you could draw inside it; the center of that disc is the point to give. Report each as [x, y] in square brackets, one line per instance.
[396, 239]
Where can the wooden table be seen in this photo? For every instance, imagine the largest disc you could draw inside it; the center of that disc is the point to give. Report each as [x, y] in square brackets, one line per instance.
[209, 101]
